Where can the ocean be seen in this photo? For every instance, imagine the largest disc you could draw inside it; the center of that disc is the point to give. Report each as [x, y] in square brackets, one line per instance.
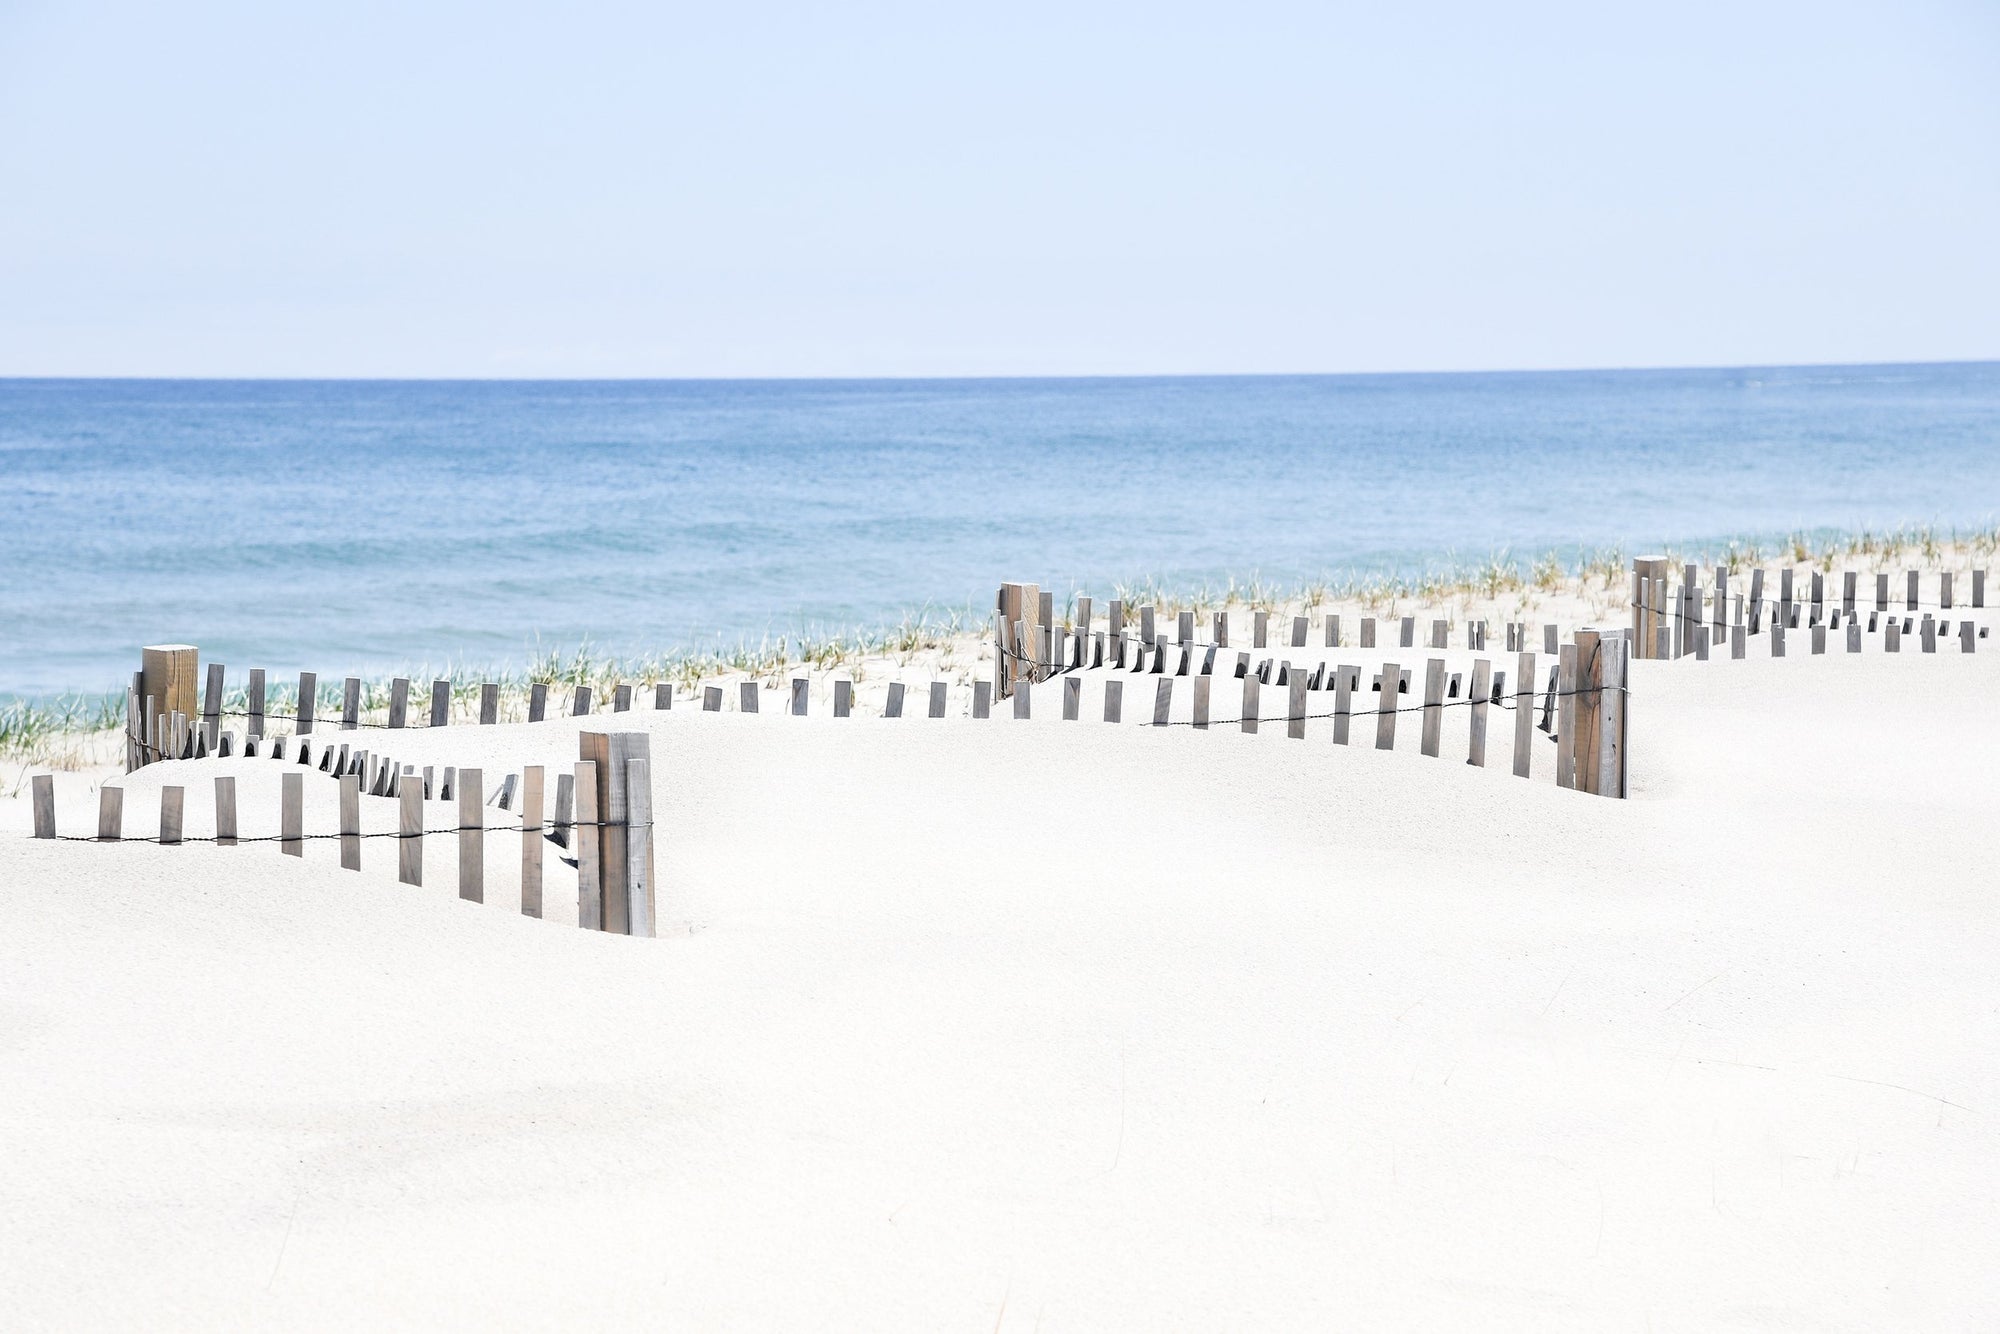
[372, 526]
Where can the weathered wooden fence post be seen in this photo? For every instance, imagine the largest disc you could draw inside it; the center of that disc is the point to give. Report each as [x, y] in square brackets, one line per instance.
[410, 835]
[612, 753]
[531, 840]
[291, 814]
[42, 788]
[111, 814]
[471, 835]
[589, 831]
[1385, 708]
[350, 822]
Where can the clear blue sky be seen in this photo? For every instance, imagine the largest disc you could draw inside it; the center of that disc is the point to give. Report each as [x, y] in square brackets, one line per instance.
[595, 189]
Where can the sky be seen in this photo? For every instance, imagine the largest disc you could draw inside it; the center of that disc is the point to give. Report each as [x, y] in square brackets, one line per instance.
[613, 190]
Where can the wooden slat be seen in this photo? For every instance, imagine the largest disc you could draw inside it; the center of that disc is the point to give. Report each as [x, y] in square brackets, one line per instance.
[1295, 704]
[489, 703]
[746, 696]
[982, 699]
[1386, 705]
[843, 698]
[1482, 682]
[892, 706]
[399, 701]
[211, 705]
[1072, 705]
[1299, 627]
[531, 840]
[471, 836]
[1220, 630]
[538, 701]
[173, 801]
[225, 811]
[255, 724]
[1583, 736]
[350, 704]
[801, 695]
[1202, 687]
[589, 843]
[291, 814]
[1565, 715]
[1343, 701]
[1524, 714]
[663, 695]
[1022, 691]
[42, 788]
[440, 703]
[350, 822]
[938, 697]
[639, 846]
[579, 706]
[621, 698]
[1333, 631]
[1367, 632]
[1260, 629]
[111, 814]
[564, 823]
[308, 703]
[410, 835]
[1163, 701]
[1114, 700]
[1430, 742]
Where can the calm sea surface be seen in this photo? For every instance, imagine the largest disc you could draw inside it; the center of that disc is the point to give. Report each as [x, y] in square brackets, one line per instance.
[371, 526]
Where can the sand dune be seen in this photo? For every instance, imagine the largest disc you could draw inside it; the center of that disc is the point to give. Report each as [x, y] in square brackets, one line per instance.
[982, 1025]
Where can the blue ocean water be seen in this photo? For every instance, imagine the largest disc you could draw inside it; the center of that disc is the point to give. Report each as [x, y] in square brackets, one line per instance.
[351, 526]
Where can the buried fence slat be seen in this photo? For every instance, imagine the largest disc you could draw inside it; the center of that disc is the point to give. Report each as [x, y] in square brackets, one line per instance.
[350, 704]
[1481, 683]
[255, 726]
[410, 836]
[1944, 590]
[638, 847]
[982, 699]
[134, 724]
[1368, 632]
[211, 705]
[1295, 715]
[579, 705]
[1184, 627]
[1549, 636]
[308, 700]
[1298, 632]
[1343, 700]
[1385, 708]
[746, 697]
[471, 837]
[1565, 715]
[1440, 634]
[1146, 624]
[711, 699]
[589, 844]
[531, 840]
[440, 703]
[893, 707]
[1818, 640]
[111, 814]
[1524, 714]
[1114, 700]
[801, 696]
[1966, 639]
[1738, 644]
[225, 811]
[172, 801]
[1614, 656]
[1433, 704]
[621, 698]
[1580, 733]
[538, 701]
[1252, 686]
[938, 697]
[1022, 688]
[489, 703]
[1892, 636]
[843, 698]
[1163, 701]
[663, 695]
[1979, 588]
[1202, 686]
[1912, 592]
[291, 814]
[399, 701]
[1072, 701]
[1219, 631]
[565, 817]
[1853, 635]
[1260, 629]
[350, 822]
[43, 789]
[1407, 633]
[1333, 631]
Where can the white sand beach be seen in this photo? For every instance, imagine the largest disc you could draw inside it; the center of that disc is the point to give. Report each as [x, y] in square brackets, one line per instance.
[984, 1025]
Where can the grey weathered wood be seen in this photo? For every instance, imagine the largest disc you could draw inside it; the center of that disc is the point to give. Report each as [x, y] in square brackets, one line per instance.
[579, 702]
[1979, 588]
[1818, 640]
[1892, 635]
[589, 847]
[1610, 777]
[1648, 573]
[893, 707]
[225, 811]
[711, 699]
[211, 704]
[1220, 630]
[505, 800]
[1944, 590]
[746, 696]
[1882, 591]
[1966, 640]
[1700, 633]
[1481, 683]
[801, 696]
[1386, 706]
[621, 698]
[173, 800]
[1566, 715]
[1524, 714]
[291, 814]
[42, 789]
[1084, 616]
[399, 701]
[1202, 687]
[1114, 698]
[1912, 591]
[1368, 632]
[639, 888]
[1582, 736]
[1072, 706]
[1778, 637]
[1299, 627]
[531, 840]
[1848, 580]
[308, 702]
[538, 701]
[489, 703]
[350, 822]
[448, 784]
[1927, 633]
[1333, 631]
[1146, 624]
[1114, 618]
[663, 695]
[255, 726]
[1738, 645]
[938, 697]
[1260, 629]
[1853, 635]
[982, 699]
[1440, 634]
[1022, 689]
[110, 814]
[1343, 700]
[471, 836]
[350, 704]
[1163, 701]
[1295, 705]
[1406, 632]
[1184, 627]
[440, 703]
[1433, 729]
[565, 817]
[410, 835]
[843, 698]
[1550, 635]
[1252, 685]
[611, 752]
